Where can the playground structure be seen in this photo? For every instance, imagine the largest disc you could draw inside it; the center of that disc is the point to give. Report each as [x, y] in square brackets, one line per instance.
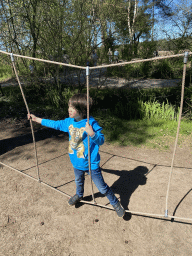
[87, 69]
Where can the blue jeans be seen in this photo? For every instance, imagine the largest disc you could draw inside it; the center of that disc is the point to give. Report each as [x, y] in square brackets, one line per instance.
[97, 178]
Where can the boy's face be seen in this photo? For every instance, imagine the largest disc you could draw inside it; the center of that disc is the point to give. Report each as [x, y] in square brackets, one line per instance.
[72, 112]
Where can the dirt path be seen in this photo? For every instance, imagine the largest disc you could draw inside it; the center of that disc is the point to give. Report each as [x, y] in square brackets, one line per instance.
[98, 79]
[36, 220]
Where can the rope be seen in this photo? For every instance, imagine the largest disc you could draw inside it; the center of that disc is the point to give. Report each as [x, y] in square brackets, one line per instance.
[97, 67]
[178, 127]
[37, 165]
[89, 156]
[31, 177]
[138, 61]
[99, 205]
[87, 78]
[47, 61]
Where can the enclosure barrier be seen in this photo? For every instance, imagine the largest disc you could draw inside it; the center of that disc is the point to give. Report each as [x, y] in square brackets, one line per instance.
[166, 215]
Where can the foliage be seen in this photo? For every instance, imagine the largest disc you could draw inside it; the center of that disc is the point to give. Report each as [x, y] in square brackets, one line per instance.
[156, 110]
[68, 31]
[5, 71]
[146, 49]
[132, 104]
[59, 100]
[128, 117]
[179, 31]
[49, 29]
[162, 69]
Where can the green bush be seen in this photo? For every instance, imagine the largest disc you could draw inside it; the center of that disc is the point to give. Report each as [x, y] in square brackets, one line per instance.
[5, 71]
[59, 98]
[146, 68]
[162, 69]
[138, 104]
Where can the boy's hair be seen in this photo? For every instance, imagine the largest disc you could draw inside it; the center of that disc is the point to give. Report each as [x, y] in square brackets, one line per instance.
[79, 102]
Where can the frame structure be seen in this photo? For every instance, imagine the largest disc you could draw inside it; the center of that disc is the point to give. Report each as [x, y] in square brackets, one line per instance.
[185, 55]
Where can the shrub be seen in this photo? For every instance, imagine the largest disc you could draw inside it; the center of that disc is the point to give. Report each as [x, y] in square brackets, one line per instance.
[162, 70]
[5, 71]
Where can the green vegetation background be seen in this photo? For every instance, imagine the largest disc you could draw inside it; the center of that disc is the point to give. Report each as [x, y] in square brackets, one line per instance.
[146, 117]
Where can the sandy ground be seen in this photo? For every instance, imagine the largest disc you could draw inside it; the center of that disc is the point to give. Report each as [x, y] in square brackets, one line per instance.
[36, 220]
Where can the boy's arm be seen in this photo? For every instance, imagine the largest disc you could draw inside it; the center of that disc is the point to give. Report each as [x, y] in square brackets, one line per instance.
[34, 118]
[95, 133]
[61, 125]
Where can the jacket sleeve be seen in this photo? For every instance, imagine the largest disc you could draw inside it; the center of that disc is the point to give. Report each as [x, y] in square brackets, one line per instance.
[61, 125]
[98, 137]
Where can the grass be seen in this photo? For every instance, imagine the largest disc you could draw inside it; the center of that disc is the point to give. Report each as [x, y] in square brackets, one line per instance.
[152, 133]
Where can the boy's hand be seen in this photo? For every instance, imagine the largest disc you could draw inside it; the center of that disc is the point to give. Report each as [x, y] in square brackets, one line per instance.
[89, 130]
[34, 118]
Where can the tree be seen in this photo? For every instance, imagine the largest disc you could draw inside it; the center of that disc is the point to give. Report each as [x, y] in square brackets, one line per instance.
[179, 31]
[132, 22]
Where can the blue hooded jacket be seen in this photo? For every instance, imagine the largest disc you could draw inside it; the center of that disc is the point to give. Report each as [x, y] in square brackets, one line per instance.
[78, 141]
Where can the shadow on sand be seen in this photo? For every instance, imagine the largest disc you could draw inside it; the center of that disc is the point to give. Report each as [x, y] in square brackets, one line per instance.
[13, 142]
[124, 186]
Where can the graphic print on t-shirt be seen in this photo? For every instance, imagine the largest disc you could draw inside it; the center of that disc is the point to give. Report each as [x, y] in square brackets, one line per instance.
[76, 142]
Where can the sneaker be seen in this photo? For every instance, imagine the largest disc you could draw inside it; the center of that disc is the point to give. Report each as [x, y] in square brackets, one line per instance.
[74, 199]
[119, 209]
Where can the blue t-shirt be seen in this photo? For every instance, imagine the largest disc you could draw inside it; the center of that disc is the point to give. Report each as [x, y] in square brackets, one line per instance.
[78, 141]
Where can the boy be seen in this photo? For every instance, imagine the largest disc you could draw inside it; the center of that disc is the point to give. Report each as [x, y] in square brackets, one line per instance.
[79, 129]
